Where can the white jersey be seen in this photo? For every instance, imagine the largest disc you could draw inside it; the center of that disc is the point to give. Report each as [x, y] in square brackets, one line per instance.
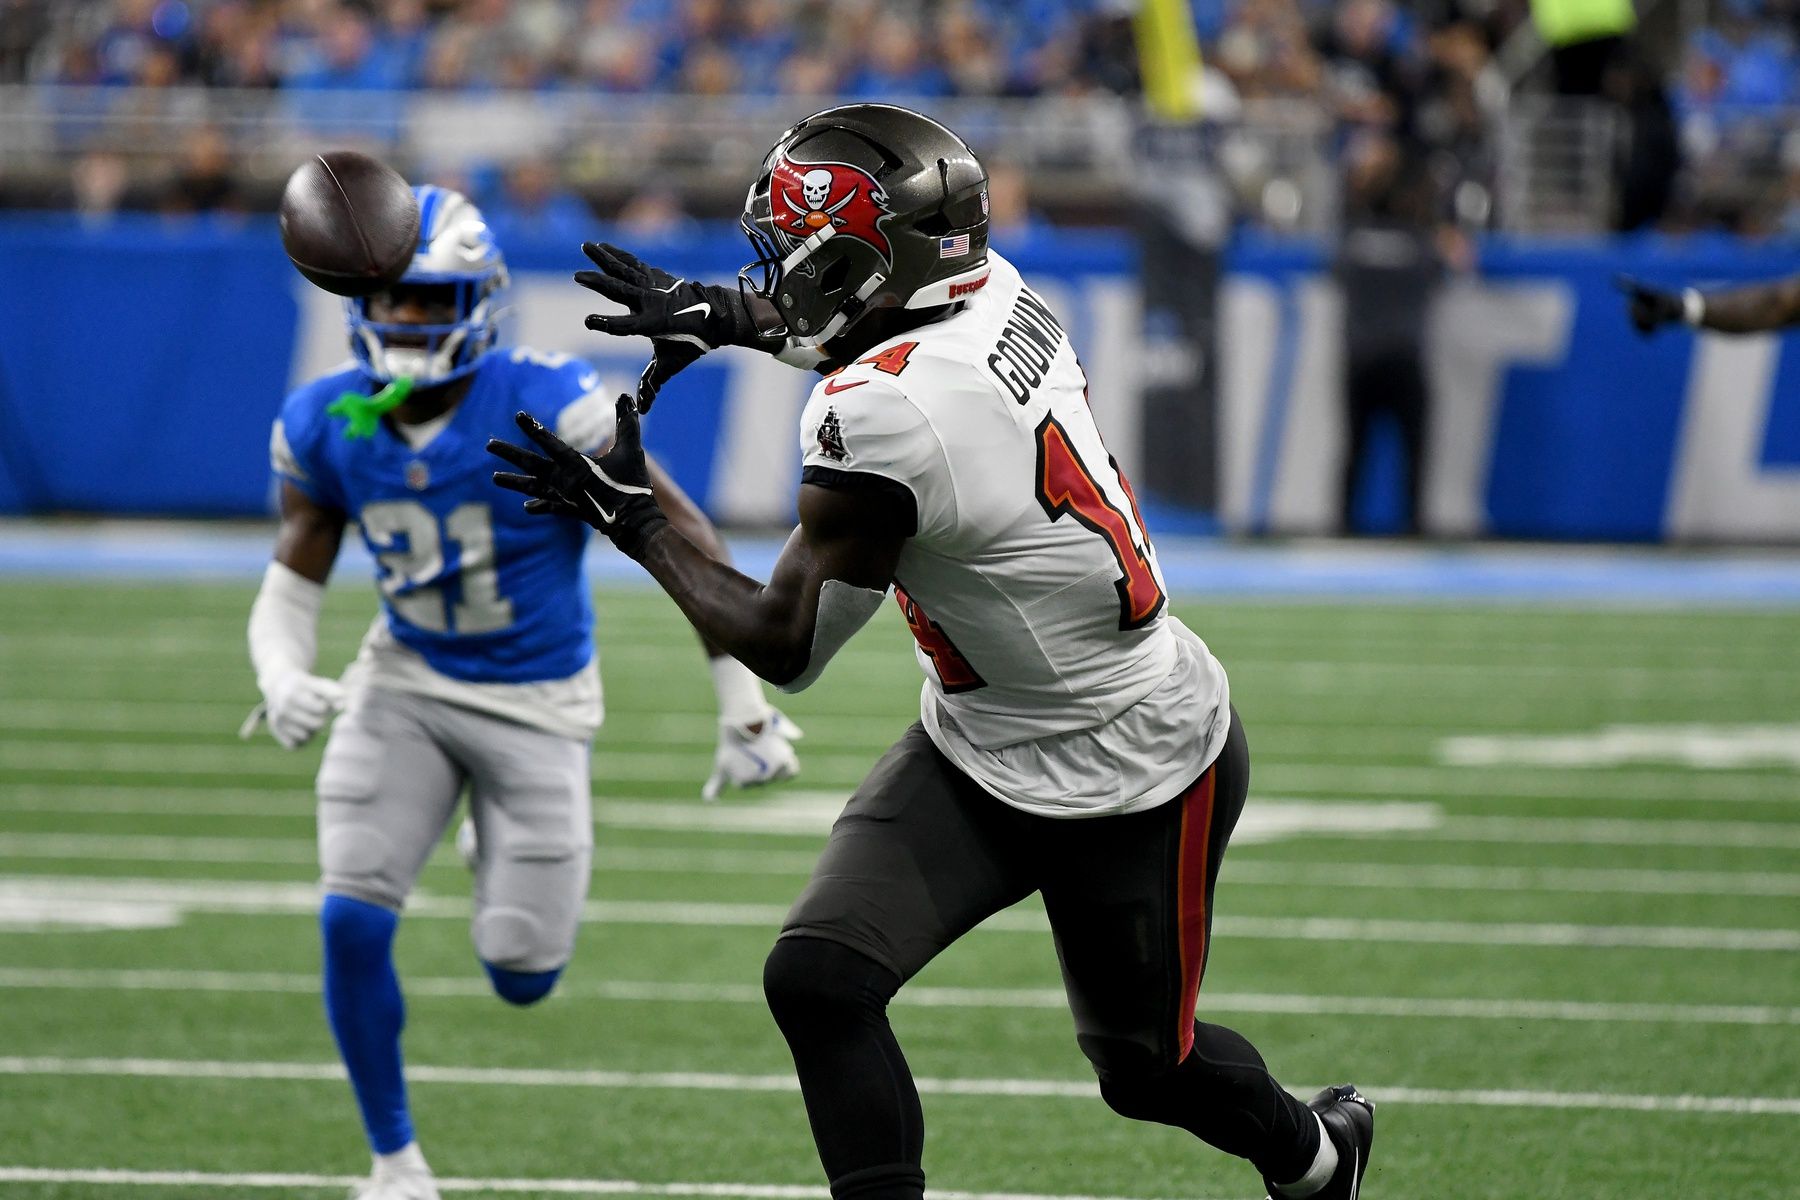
[1054, 675]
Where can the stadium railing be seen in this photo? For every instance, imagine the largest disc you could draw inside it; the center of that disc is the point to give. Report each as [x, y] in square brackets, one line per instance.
[1078, 153]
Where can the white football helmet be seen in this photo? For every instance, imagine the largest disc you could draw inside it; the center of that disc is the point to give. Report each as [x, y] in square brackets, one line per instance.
[456, 251]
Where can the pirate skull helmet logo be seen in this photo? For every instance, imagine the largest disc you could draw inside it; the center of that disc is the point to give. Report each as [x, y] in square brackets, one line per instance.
[806, 198]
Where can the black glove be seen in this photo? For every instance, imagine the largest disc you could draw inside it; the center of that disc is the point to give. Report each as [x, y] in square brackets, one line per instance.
[1649, 306]
[683, 319]
[611, 493]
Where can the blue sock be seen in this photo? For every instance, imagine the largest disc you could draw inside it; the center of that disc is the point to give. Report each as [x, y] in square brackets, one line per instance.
[521, 987]
[366, 1013]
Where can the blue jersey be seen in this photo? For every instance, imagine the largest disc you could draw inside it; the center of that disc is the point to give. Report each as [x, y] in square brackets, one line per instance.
[484, 591]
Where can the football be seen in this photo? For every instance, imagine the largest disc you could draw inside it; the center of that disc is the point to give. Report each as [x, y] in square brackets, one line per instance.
[349, 222]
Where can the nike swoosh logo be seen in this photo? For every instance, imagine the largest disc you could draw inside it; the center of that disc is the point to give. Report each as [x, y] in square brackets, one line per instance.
[704, 308]
[833, 386]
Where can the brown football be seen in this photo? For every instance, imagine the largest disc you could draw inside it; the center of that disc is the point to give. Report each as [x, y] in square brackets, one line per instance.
[349, 222]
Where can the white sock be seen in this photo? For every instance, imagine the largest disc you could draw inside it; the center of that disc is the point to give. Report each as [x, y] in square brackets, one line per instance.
[740, 692]
[1324, 1166]
[407, 1158]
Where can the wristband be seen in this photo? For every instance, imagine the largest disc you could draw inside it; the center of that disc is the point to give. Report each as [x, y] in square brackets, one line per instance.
[637, 522]
[1693, 307]
[740, 693]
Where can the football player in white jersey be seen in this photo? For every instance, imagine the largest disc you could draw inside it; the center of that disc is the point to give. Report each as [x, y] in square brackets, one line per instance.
[1075, 739]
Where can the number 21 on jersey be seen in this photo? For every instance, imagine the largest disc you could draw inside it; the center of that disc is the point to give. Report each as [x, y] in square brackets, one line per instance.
[410, 547]
[1066, 487]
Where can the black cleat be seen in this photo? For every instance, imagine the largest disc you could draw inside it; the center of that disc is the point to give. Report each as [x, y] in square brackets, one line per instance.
[1349, 1117]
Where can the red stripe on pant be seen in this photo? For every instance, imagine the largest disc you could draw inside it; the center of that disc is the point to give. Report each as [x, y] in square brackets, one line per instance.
[1190, 900]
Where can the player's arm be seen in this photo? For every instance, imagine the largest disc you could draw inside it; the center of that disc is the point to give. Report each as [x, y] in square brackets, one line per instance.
[755, 739]
[687, 519]
[829, 579]
[310, 535]
[284, 621]
[1754, 309]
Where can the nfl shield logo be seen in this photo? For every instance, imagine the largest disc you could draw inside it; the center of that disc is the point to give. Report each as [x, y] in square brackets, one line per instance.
[418, 475]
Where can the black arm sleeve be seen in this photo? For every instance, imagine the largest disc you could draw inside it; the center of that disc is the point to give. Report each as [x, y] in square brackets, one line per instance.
[866, 481]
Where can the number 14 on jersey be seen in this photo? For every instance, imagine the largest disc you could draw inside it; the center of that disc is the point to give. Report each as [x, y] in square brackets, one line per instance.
[1066, 487]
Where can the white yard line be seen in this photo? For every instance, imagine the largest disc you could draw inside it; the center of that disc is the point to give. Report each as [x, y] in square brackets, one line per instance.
[1631, 785]
[784, 816]
[217, 655]
[643, 717]
[1559, 880]
[538, 1187]
[1691, 746]
[1609, 831]
[36, 894]
[105, 847]
[196, 631]
[1334, 873]
[922, 996]
[211, 759]
[156, 1068]
[1416, 735]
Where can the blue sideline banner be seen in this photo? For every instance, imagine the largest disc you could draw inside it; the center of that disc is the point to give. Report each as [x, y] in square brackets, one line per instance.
[141, 362]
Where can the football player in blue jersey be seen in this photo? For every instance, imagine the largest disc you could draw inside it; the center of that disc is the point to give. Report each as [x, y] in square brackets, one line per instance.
[479, 672]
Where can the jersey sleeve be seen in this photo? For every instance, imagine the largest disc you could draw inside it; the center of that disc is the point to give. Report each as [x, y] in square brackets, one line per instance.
[568, 396]
[296, 454]
[867, 434]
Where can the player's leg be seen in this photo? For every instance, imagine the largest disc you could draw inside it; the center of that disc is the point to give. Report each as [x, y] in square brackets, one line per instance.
[386, 791]
[1410, 398]
[530, 800]
[915, 861]
[1362, 400]
[1130, 900]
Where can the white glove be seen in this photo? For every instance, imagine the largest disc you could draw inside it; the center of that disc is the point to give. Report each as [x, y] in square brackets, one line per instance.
[297, 705]
[749, 757]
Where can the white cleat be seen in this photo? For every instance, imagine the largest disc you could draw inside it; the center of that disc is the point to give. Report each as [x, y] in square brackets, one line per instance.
[403, 1175]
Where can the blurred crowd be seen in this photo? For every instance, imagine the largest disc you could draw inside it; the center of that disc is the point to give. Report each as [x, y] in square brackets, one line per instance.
[870, 48]
[1420, 75]
[1747, 56]
[1733, 100]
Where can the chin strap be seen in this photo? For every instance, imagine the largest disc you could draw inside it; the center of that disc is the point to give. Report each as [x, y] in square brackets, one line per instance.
[363, 413]
[849, 311]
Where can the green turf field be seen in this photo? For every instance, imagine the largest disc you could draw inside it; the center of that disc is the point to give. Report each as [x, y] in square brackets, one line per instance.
[1571, 980]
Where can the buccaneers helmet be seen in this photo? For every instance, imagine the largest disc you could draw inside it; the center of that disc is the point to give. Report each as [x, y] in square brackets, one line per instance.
[865, 206]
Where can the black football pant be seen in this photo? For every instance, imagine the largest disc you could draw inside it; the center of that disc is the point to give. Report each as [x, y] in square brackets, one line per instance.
[920, 856]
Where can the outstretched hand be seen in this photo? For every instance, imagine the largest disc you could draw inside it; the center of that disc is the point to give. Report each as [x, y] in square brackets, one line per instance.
[612, 493]
[1649, 307]
[683, 319]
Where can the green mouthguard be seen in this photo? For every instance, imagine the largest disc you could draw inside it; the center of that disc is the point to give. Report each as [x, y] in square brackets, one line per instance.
[363, 413]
